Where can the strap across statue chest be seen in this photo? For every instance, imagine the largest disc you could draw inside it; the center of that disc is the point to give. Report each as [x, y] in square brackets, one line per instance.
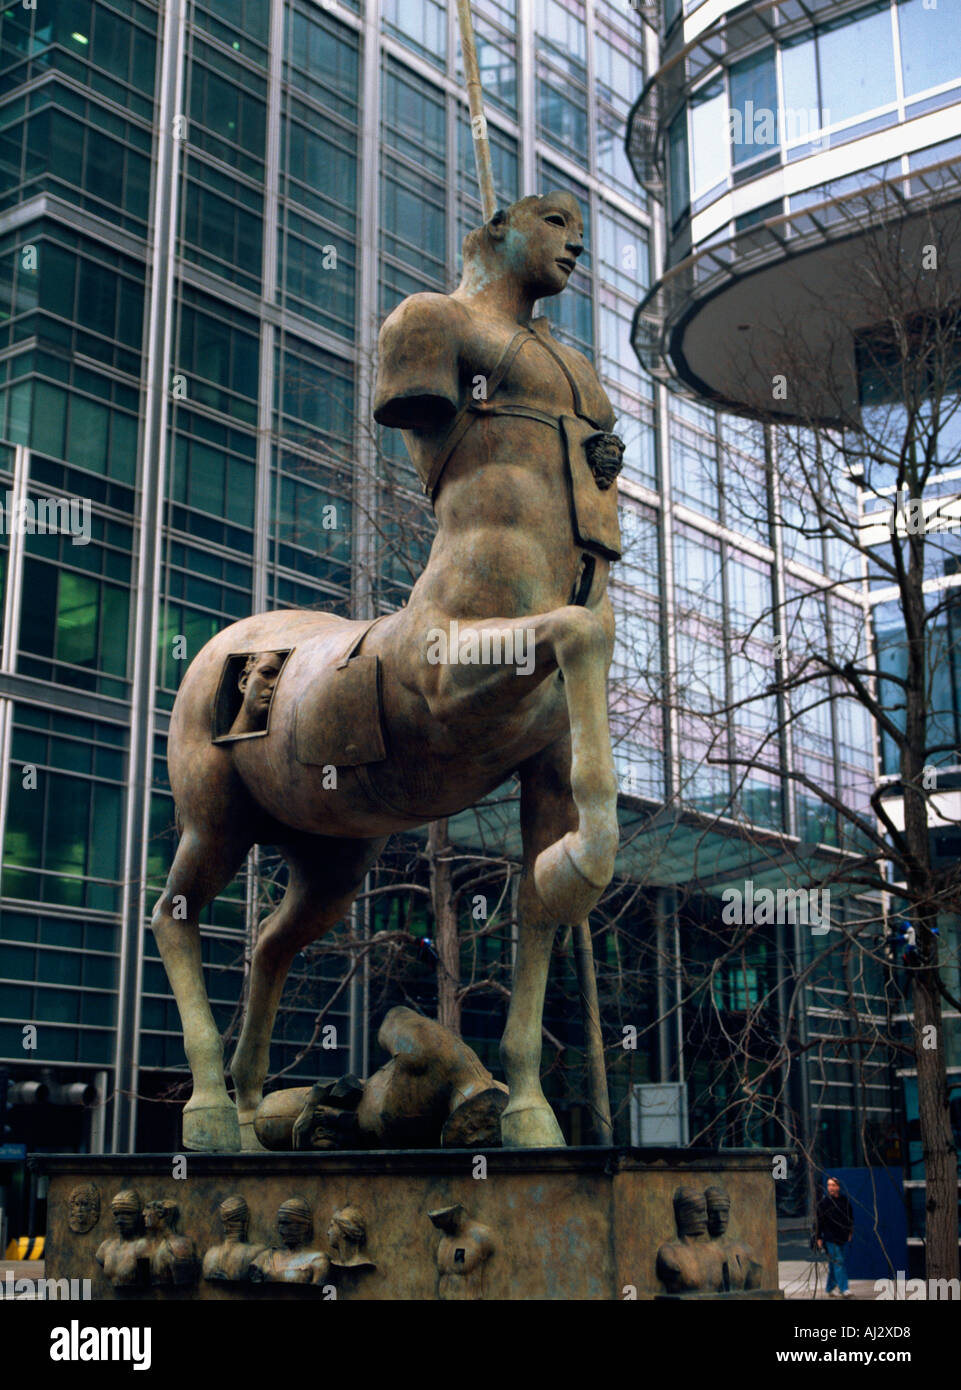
[468, 413]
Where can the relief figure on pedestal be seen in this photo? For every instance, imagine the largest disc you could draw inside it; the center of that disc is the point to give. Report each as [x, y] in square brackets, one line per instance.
[296, 1262]
[462, 1255]
[693, 1262]
[83, 1208]
[347, 1237]
[118, 1254]
[231, 1259]
[170, 1257]
[740, 1270]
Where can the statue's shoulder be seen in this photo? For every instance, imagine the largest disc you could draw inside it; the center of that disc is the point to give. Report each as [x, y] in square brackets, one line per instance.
[418, 362]
[425, 312]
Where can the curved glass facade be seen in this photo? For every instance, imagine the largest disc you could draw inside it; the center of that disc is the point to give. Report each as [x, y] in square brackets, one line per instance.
[808, 91]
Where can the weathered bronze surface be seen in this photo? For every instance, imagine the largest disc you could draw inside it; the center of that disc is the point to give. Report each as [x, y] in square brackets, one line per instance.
[497, 664]
[559, 1223]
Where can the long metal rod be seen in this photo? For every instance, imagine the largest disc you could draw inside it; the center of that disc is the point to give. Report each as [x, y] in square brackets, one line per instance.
[478, 121]
[581, 932]
[593, 1038]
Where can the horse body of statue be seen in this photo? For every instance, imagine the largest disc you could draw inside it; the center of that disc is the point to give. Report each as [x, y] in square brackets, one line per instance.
[322, 736]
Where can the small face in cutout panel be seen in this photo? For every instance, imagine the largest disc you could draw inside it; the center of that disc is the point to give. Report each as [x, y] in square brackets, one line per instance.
[246, 691]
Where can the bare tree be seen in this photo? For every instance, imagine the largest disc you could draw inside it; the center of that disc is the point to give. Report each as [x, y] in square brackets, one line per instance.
[875, 492]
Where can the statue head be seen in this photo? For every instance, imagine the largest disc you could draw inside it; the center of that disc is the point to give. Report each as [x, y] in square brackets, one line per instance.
[346, 1229]
[127, 1208]
[718, 1210]
[256, 685]
[537, 239]
[161, 1215]
[235, 1217]
[83, 1208]
[295, 1223]
[690, 1211]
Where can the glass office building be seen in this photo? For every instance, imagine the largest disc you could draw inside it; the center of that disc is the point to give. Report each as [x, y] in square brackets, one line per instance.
[207, 208]
[774, 138]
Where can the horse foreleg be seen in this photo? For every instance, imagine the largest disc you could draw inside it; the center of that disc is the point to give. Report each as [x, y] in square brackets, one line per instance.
[571, 873]
[325, 875]
[547, 813]
[203, 866]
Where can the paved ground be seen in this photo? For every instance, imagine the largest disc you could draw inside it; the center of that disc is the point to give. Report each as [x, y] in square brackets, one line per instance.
[19, 1269]
[799, 1278]
[806, 1279]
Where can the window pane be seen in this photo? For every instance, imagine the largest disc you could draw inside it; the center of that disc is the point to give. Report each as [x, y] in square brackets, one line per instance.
[677, 159]
[857, 65]
[930, 45]
[754, 111]
[801, 105]
[77, 614]
[708, 139]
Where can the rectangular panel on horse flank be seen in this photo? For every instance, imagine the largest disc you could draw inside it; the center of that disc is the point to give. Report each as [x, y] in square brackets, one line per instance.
[339, 721]
[593, 509]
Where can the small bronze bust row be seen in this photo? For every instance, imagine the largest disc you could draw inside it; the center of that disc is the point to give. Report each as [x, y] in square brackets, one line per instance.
[148, 1250]
[703, 1259]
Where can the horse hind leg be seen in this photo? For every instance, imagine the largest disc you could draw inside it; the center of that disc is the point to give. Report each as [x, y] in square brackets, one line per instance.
[325, 875]
[204, 864]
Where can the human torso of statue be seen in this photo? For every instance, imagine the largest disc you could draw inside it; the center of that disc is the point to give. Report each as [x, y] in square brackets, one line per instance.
[502, 501]
[684, 1266]
[119, 1258]
[298, 1266]
[460, 1263]
[230, 1261]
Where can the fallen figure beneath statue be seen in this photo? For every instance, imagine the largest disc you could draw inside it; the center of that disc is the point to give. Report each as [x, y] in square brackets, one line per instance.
[433, 1092]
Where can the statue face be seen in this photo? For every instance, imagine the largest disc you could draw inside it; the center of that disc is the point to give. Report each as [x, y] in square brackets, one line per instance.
[126, 1219]
[693, 1218]
[543, 243]
[155, 1216]
[717, 1219]
[83, 1210]
[292, 1229]
[258, 684]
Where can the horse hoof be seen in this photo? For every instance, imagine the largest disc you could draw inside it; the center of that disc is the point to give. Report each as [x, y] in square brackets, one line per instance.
[534, 1127]
[212, 1129]
[249, 1143]
[566, 893]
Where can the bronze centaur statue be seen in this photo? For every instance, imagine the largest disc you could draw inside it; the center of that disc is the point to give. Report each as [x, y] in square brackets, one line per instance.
[347, 731]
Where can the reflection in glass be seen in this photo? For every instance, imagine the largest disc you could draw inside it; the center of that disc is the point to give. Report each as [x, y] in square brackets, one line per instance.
[754, 107]
[856, 59]
[930, 45]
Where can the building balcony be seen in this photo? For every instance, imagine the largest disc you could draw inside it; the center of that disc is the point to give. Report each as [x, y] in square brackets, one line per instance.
[776, 136]
[715, 324]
